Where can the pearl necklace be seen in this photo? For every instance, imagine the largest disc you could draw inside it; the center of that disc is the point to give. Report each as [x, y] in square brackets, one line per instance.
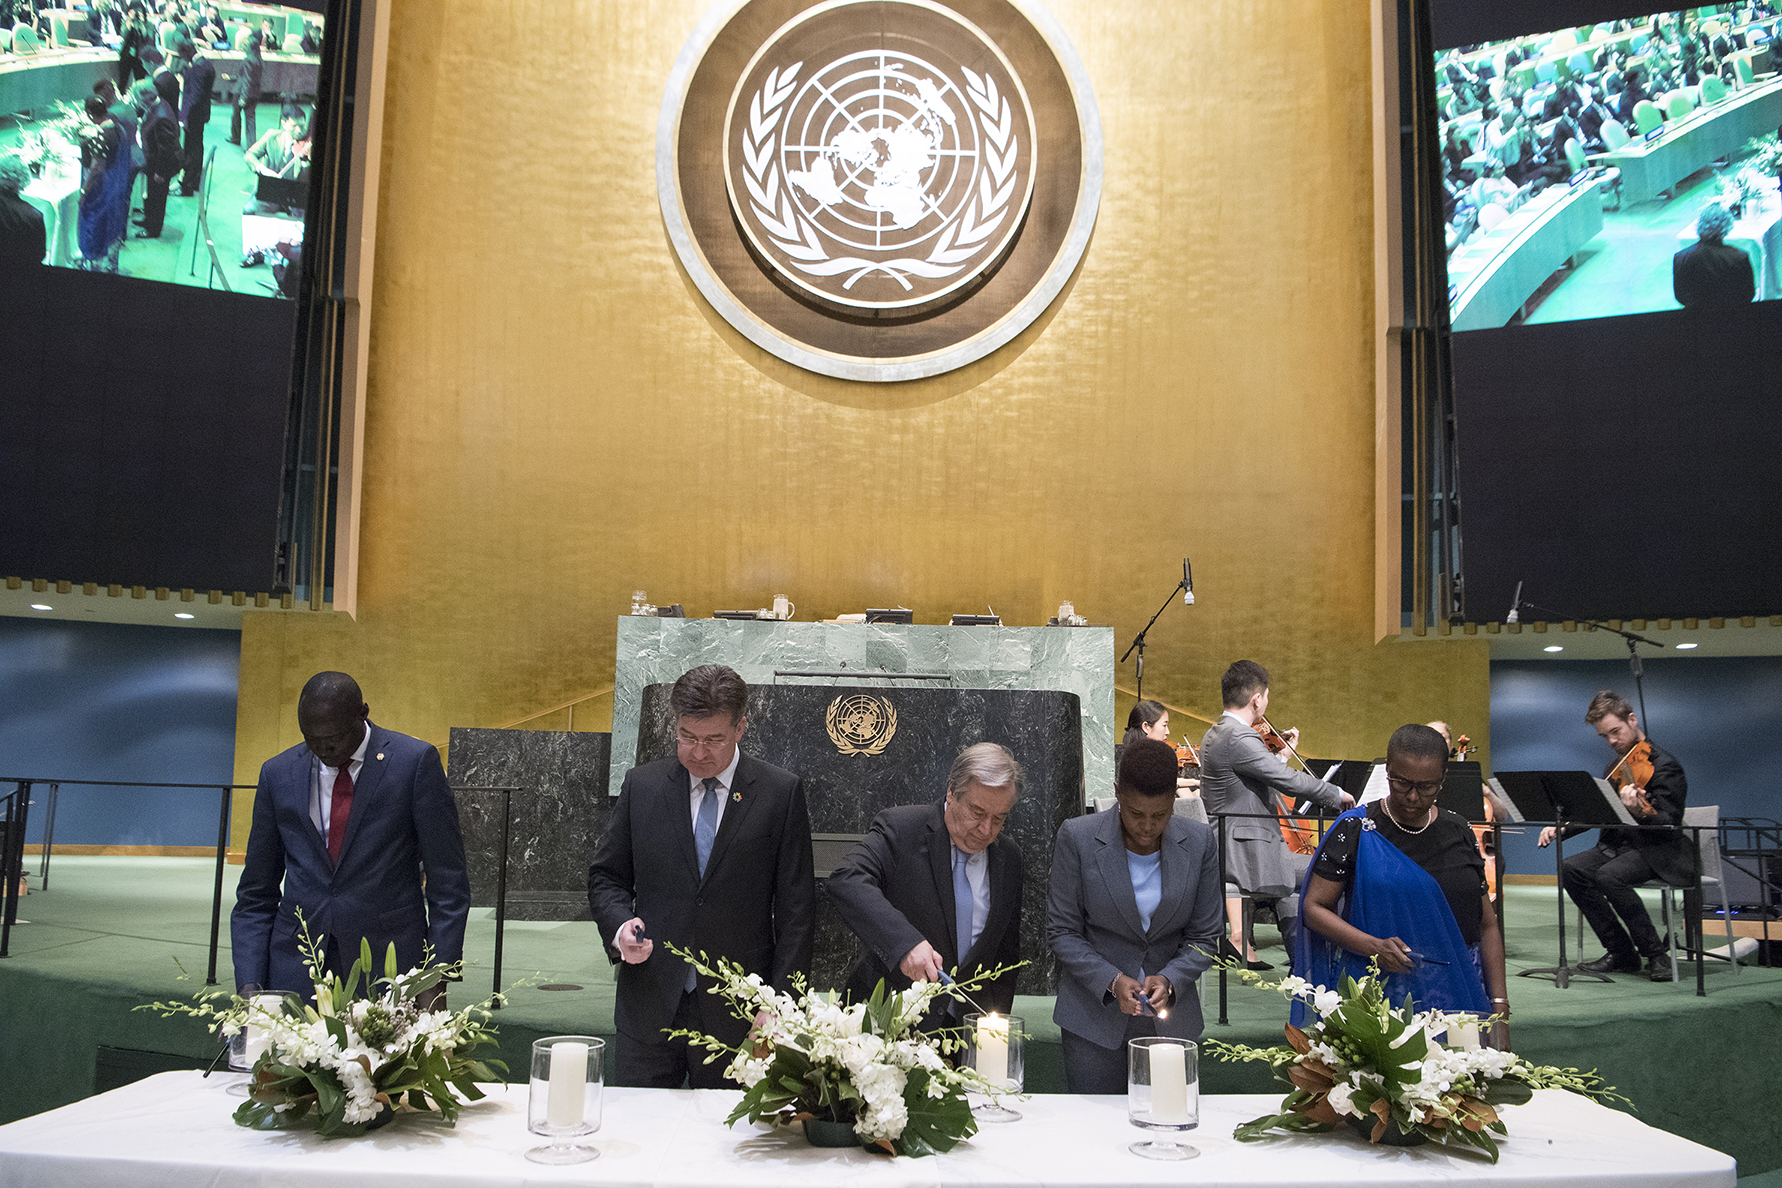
[1430, 820]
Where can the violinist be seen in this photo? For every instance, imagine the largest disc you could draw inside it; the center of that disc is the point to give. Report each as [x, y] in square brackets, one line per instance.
[1602, 879]
[1150, 719]
[1239, 774]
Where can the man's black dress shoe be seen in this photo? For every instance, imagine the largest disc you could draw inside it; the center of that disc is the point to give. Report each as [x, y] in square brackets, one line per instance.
[1659, 968]
[1610, 963]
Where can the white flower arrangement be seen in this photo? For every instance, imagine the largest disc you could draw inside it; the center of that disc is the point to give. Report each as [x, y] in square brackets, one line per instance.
[1379, 1069]
[810, 1056]
[353, 1061]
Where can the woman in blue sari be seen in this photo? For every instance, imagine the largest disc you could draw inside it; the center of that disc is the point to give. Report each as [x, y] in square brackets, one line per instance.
[1402, 882]
[105, 190]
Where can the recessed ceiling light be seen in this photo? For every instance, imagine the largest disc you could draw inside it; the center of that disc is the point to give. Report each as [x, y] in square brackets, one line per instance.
[1552, 648]
[1684, 647]
[183, 615]
[41, 606]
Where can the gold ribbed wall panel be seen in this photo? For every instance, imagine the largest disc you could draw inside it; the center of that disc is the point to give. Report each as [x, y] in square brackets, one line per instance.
[556, 418]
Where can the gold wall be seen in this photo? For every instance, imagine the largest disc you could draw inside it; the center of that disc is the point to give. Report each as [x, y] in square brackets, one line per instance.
[555, 418]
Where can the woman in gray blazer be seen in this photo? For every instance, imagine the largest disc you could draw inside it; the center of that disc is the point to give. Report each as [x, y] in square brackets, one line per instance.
[1134, 917]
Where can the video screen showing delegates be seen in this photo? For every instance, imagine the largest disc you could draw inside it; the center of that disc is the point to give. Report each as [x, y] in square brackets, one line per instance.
[1611, 169]
[167, 141]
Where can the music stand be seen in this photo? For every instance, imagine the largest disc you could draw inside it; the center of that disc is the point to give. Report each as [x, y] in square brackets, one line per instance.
[1351, 774]
[1565, 798]
[1463, 790]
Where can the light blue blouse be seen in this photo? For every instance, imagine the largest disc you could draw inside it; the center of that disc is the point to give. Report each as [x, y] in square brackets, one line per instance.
[1147, 883]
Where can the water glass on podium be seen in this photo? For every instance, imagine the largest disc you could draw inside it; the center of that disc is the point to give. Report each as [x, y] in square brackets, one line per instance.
[993, 1048]
[1162, 1094]
[567, 1077]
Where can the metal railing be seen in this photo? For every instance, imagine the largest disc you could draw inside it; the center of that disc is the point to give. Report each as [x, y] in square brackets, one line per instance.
[18, 811]
[18, 802]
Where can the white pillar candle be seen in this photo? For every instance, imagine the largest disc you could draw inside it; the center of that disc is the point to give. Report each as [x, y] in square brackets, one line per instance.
[1464, 1036]
[569, 1079]
[993, 1049]
[1169, 1083]
[253, 1042]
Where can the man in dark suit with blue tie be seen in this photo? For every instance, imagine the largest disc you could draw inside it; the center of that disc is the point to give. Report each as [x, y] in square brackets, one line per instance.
[937, 887]
[345, 826]
[709, 850]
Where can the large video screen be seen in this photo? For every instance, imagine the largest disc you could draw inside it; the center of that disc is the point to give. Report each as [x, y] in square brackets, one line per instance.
[166, 141]
[1620, 167]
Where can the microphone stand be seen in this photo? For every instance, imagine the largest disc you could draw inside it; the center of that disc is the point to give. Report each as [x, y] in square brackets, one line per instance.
[1138, 641]
[1633, 654]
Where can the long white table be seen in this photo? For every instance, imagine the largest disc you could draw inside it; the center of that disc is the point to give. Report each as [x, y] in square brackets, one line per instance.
[173, 1130]
[1704, 136]
[1496, 271]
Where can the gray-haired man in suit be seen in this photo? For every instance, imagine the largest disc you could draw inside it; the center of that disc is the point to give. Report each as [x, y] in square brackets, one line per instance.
[936, 887]
[1238, 774]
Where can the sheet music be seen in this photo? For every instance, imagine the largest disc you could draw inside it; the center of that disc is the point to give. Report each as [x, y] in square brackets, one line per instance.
[1614, 799]
[1376, 785]
[1503, 801]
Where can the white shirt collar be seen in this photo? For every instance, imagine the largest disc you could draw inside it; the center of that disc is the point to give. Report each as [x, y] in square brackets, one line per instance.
[726, 778]
[358, 752]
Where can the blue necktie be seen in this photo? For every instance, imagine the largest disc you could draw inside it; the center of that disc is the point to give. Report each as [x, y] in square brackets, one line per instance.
[705, 829]
[962, 904]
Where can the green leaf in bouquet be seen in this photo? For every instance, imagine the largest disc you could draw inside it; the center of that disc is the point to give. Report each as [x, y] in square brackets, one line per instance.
[936, 1124]
[257, 1115]
[1507, 1091]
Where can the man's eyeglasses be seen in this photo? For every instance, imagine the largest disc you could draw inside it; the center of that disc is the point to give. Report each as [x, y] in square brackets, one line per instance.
[710, 742]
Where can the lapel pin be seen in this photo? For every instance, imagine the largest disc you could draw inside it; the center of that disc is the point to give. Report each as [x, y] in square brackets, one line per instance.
[380, 755]
[736, 796]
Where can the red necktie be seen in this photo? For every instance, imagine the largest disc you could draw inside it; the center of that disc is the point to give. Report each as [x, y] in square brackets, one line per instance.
[338, 810]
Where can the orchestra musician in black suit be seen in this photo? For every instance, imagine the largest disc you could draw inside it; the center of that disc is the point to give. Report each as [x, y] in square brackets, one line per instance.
[709, 850]
[1601, 880]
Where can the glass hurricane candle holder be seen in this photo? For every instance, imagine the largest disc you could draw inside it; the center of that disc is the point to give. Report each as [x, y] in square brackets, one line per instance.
[993, 1048]
[567, 1077]
[246, 1045]
[1162, 1093]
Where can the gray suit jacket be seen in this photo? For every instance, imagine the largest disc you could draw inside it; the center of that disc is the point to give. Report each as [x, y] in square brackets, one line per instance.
[1092, 920]
[1238, 774]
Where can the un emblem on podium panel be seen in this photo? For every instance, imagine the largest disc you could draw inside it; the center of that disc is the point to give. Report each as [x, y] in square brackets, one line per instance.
[879, 189]
[860, 724]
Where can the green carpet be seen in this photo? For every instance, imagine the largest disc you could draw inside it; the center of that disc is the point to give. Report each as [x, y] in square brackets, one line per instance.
[112, 933]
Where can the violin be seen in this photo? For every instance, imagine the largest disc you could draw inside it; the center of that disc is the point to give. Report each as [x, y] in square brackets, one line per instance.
[1187, 756]
[1300, 834]
[1270, 738]
[1635, 770]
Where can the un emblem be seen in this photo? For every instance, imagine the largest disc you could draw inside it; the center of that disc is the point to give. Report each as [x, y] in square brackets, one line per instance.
[860, 724]
[879, 189]
[882, 178]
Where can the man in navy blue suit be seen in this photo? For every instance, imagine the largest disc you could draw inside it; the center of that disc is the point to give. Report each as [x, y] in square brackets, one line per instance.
[345, 826]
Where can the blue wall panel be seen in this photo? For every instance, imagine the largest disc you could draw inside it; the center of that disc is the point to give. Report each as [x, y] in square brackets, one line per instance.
[104, 701]
[1720, 716]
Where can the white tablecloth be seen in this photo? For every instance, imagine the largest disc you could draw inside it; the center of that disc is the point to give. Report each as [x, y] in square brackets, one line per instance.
[173, 1130]
[57, 195]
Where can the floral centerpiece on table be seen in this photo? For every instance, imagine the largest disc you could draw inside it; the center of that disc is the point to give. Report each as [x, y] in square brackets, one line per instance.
[351, 1062]
[57, 140]
[1379, 1069]
[809, 1056]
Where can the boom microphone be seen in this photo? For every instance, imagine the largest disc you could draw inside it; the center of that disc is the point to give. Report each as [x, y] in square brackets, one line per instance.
[1515, 604]
[1187, 584]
